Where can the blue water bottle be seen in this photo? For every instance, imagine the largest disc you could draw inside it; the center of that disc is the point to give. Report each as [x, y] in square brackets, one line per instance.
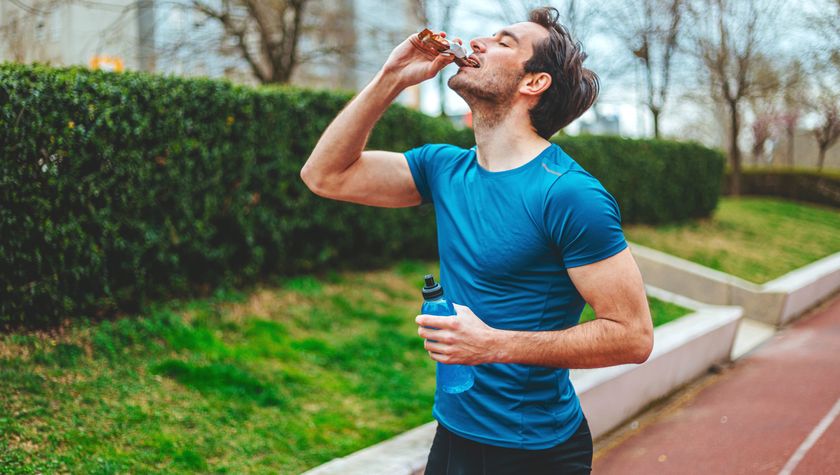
[451, 378]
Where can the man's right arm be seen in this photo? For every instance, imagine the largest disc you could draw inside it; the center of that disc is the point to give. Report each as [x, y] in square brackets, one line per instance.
[339, 168]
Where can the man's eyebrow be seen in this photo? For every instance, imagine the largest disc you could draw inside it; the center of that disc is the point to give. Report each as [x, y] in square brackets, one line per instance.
[508, 33]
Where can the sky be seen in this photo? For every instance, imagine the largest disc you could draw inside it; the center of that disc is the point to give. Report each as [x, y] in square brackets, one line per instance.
[470, 25]
[619, 96]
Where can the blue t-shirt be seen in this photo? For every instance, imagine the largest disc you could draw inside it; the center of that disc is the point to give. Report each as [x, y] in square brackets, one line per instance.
[505, 241]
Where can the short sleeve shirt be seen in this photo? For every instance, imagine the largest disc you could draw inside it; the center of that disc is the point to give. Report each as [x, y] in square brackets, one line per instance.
[506, 240]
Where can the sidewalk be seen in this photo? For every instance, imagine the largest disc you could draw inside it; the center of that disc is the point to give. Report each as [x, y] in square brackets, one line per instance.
[775, 410]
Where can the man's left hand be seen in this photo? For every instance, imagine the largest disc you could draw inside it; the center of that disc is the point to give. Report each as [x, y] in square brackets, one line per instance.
[460, 339]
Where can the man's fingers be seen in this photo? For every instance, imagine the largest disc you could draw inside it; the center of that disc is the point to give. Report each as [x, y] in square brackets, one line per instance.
[442, 60]
[435, 321]
[438, 357]
[435, 347]
[436, 335]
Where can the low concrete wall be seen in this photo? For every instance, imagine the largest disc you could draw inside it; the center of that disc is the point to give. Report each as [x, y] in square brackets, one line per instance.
[404, 454]
[682, 350]
[806, 286]
[775, 302]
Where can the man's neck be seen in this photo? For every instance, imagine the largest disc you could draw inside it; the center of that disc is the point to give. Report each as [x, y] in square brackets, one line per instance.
[507, 143]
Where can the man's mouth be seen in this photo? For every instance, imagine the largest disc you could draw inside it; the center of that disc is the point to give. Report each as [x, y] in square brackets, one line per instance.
[474, 60]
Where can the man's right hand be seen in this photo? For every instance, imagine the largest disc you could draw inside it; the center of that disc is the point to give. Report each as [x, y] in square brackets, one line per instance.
[409, 65]
[340, 168]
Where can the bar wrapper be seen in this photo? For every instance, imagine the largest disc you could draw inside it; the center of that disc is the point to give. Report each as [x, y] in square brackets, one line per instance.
[433, 45]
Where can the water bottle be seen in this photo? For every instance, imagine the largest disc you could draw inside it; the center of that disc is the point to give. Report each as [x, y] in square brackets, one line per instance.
[451, 378]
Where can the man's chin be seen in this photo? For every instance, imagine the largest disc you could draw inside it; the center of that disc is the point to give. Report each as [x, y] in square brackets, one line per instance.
[457, 81]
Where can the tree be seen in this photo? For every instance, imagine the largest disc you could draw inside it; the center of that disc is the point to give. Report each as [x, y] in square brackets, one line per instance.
[276, 25]
[764, 105]
[651, 31]
[727, 43]
[827, 77]
[828, 130]
[794, 100]
[762, 131]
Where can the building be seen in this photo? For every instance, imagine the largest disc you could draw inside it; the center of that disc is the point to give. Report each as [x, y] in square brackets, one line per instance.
[171, 38]
[69, 33]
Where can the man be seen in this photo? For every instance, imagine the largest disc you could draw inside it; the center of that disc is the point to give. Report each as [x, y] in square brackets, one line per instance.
[526, 238]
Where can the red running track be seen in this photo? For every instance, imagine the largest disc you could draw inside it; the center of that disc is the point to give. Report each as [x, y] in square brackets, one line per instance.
[776, 410]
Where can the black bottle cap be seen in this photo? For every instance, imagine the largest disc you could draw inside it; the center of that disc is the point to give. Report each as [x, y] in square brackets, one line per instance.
[431, 290]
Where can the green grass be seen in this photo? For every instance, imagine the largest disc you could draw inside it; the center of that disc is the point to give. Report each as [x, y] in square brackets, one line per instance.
[757, 239]
[274, 381]
[661, 312]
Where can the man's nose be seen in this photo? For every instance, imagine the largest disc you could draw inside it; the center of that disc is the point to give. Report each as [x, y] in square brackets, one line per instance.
[477, 46]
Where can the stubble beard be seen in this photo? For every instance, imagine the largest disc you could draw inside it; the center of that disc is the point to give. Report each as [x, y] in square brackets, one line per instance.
[489, 95]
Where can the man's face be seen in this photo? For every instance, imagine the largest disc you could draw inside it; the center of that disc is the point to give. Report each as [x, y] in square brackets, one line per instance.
[502, 58]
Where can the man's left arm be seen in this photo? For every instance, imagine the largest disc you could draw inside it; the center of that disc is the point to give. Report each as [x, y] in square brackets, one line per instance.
[621, 333]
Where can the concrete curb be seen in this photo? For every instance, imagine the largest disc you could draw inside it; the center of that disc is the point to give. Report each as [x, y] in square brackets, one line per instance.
[776, 303]
[404, 454]
[683, 349]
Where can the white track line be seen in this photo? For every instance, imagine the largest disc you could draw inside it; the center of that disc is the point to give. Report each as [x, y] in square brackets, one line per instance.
[811, 440]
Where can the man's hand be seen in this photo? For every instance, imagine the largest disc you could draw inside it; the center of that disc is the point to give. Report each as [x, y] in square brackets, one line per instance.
[462, 339]
[409, 65]
[340, 168]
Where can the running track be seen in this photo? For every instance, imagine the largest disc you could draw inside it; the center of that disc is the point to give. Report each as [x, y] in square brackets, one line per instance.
[775, 410]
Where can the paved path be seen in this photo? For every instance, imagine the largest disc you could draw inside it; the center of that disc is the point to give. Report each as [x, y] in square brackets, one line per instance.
[775, 410]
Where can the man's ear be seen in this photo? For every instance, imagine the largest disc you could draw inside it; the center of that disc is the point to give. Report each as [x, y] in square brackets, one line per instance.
[535, 84]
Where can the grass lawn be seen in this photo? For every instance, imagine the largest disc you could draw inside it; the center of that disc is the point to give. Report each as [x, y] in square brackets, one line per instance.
[757, 239]
[661, 312]
[278, 380]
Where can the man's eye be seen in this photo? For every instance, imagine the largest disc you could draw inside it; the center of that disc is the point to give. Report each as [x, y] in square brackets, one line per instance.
[505, 45]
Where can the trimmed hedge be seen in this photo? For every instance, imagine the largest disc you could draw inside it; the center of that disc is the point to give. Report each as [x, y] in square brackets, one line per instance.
[119, 189]
[807, 185]
[654, 181]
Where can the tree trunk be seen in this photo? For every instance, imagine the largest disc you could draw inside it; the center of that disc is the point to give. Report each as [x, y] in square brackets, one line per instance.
[655, 113]
[734, 151]
[790, 134]
[442, 93]
[821, 157]
[758, 153]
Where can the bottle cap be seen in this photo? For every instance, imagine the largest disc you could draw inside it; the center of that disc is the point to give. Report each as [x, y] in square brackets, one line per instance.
[431, 290]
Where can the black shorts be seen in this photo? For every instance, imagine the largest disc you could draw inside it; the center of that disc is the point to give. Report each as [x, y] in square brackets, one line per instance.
[454, 455]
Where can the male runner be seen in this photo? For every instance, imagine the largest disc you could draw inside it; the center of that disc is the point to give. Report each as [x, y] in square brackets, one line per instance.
[526, 237]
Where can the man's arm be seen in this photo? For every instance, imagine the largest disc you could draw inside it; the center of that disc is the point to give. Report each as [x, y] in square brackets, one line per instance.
[622, 331]
[340, 169]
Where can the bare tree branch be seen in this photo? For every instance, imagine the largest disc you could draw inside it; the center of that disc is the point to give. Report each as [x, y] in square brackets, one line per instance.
[275, 26]
[651, 31]
[730, 48]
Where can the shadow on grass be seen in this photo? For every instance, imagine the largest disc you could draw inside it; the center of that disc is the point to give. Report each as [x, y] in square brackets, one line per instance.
[220, 379]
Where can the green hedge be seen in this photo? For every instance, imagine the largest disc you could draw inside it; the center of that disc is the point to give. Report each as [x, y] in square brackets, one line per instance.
[118, 189]
[806, 185]
[654, 181]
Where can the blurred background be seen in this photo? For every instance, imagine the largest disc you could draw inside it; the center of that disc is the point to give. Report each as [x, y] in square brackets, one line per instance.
[764, 72]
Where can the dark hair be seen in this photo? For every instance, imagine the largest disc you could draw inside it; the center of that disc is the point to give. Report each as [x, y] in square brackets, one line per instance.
[573, 88]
